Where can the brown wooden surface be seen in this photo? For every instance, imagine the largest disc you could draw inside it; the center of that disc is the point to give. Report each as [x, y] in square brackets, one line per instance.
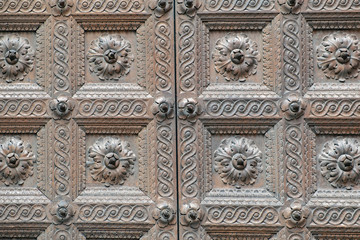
[186, 119]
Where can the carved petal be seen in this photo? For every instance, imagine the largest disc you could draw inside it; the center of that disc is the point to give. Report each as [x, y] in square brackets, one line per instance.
[295, 205]
[287, 213]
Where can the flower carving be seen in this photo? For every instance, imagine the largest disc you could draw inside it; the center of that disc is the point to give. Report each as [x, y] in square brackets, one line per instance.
[189, 109]
[189, 7]
[110, 57]
[16, 161]
[163, 109]
[235, 57]
[296, 215]
[290, 6]
[238, 161]
[164, 214]
[293, 106]
[338, 56]
[191, 214]
[16, 58]
[62, 105]
[112, 161]
[160, 7]
[61, 7]
[340, 162]
[62, 211]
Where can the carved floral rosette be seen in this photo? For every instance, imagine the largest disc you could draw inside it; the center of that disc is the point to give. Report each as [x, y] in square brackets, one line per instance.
[296, 215]
[16, 58]
[164, 214]
[163, 108]
[340, 162]
[293, 106]
[189, 7]
[62, 211]
[61, 7]
[338, 56]
[235, 57]
[189, 109]
[160, 7]
[110, 57]
[238, 161]
[290, 6]
[16, 161]
[62, 106]
[191, 214]
[111, 161]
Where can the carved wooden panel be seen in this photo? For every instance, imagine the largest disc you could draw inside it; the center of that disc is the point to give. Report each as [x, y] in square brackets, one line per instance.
[268, 132]
[87, 147]
[179, 119]
[332, 118]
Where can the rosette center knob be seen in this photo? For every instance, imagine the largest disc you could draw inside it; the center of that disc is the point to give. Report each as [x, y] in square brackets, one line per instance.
[62, 3]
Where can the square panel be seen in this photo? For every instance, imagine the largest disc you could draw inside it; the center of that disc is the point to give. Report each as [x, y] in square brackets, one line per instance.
[235, 55]
[23, 52]
[333, 188]
[23, 176]
[336, 161]
[332, 53]
[241, 161]
[115, 157]
[236, 49]
[22, 157]
[333, 153]
[18, 50]
[24, 65]
[18, 160]
[115, 178]
[113, 52]
[122, 92]
[110, 56]
[233, 151]
[333, 50]
[119, 151]
[241, 179]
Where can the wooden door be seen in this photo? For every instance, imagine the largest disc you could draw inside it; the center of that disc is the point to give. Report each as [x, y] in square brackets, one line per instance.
[186, 119]
[268, 130]
[87, 120]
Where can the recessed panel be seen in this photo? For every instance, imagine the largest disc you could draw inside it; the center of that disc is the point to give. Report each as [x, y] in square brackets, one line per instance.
[236, 56]
[18, 57]
[238, 161]
[338, 162]
[110, 56]
[112, 160]
[18, 160]
[336, 56]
